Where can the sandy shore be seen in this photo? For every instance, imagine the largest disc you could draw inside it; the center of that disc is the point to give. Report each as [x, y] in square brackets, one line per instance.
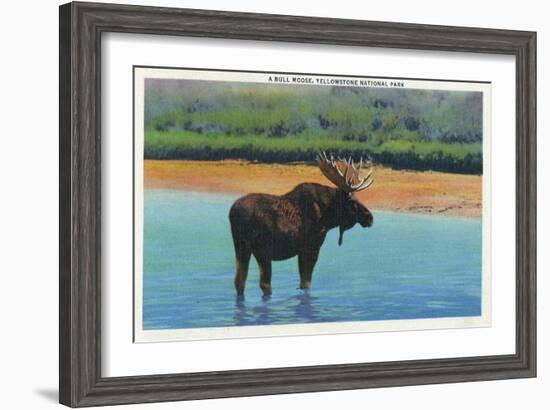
[406, 191]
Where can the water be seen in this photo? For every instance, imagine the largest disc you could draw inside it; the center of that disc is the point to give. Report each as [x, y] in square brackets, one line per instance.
[404, 267]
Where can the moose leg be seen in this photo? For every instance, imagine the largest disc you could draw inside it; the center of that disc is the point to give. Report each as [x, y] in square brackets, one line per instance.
[306, 263]
[265, 275]
[242, 254]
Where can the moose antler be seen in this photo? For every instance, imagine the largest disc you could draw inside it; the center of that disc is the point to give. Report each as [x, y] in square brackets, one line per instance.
[344, 173]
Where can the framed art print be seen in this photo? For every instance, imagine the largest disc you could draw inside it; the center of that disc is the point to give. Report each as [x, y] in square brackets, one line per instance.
[355, 198]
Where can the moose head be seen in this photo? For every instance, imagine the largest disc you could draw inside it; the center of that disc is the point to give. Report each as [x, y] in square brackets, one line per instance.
[346, 175]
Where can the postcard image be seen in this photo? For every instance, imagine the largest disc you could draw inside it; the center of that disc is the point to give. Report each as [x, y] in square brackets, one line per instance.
[283, 204]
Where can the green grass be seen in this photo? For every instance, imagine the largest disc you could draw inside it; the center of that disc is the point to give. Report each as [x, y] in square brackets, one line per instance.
[425, 149]
[464, 158]
[414, 129]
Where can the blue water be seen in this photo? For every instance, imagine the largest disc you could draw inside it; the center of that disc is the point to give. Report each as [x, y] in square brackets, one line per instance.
[405, 267]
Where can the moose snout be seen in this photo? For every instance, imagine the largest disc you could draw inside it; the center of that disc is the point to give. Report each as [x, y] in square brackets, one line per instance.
[366, 219]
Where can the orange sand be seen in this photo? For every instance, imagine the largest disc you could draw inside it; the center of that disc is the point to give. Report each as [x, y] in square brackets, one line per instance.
[409, 191]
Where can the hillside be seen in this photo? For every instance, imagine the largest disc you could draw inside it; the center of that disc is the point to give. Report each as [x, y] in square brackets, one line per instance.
[400, 128]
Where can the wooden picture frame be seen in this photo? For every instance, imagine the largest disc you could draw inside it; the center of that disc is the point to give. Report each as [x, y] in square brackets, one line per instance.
[81, 27]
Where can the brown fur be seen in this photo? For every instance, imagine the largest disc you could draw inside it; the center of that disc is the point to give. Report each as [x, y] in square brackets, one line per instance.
[273, 227]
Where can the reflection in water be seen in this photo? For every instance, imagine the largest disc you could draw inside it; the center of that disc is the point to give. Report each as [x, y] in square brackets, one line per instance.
[304, 310]
[300, 307]
[241, 317]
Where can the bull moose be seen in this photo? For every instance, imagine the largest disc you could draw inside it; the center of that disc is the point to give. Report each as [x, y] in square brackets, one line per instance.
[273, 228]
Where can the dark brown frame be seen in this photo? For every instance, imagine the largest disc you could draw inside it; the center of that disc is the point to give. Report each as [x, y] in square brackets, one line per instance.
[81, 27]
